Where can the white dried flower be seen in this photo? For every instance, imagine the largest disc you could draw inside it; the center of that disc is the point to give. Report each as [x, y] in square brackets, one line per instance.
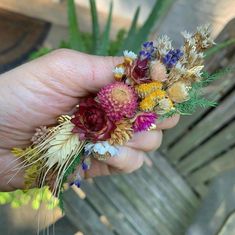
[205, 34]
[119, 71]
[192, 43]
[130, 54]
[101, 148]
[196, 71]
[204, 30]
[177, 73]
[186, 35]
[163, 44]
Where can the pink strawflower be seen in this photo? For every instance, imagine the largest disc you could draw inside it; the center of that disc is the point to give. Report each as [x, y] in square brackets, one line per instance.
[118, 100]
[144, 121]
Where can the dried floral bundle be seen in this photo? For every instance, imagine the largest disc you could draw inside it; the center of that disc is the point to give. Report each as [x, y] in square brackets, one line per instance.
[155, 84]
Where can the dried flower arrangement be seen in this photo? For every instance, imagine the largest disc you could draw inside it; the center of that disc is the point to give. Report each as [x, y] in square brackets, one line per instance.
[155, 84]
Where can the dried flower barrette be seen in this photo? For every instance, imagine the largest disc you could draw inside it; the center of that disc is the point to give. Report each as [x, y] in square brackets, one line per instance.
[155, 84]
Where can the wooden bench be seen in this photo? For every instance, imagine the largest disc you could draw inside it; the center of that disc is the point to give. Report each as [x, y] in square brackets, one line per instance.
[217, 213]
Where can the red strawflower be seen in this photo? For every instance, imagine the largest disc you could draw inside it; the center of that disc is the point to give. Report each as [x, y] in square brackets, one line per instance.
[91, 122]
[139, 71]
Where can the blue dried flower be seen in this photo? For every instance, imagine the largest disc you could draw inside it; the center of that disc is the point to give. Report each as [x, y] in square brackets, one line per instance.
[147, 51]
[172, 57]
[76, 182]
[85, 166]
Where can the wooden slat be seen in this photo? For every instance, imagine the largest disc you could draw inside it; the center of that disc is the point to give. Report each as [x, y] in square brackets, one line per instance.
[182, 210]
[201, 190]
[81, 215]
[157, 197]
[222, 163]
[60, 227]
[173, 176]
[229, 225]
[183, 206]
[154, 221]
[117, 219]
[120, 201]
[211, 148]
[161, 198]
[216, 207]
[211, 123]
[152, 203]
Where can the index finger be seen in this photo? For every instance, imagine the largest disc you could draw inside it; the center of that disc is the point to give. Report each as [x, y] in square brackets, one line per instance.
[86, 73]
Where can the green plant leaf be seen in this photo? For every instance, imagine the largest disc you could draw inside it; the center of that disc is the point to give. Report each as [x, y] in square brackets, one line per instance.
[75, 39]
[116, 44]
[213, 50]
[64, 44]
[131, 33]
[104, 43]
[42, 51]
[69, 171]
[95, 26]
[159, 10]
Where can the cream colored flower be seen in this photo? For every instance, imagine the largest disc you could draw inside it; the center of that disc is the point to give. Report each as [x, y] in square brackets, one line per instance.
[164, 106]
[178, 92]
[63, 145]
[158, 71]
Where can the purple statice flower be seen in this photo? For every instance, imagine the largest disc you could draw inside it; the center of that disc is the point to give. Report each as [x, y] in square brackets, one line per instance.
[172, 57]
[144, 121]
[85, 166]
[147, 51]
[76, 182]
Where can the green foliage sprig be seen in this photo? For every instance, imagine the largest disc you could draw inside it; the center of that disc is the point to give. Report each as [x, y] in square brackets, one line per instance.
[71, 169]
[196, 100]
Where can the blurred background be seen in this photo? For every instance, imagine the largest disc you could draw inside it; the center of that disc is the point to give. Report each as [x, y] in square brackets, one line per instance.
[189, 187]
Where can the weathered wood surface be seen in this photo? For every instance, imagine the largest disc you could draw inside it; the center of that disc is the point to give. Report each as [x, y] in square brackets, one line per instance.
[217, 210]
[218, 117]
[150, 201]
[223, 162]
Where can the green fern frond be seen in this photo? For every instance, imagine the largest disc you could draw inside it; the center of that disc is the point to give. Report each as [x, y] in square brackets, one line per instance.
[68, 172]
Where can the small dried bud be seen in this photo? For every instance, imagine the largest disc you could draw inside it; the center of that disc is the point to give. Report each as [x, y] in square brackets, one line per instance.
[178, 92]
[164, 106]
[158, 71]
[39, 134]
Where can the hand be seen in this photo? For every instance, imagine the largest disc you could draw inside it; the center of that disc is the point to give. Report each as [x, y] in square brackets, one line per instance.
[36, 93]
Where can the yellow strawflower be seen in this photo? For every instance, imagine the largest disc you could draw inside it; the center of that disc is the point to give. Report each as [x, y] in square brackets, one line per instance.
[146, 88]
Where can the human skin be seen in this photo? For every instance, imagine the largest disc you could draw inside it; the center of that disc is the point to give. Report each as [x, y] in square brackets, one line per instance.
[37, 92]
